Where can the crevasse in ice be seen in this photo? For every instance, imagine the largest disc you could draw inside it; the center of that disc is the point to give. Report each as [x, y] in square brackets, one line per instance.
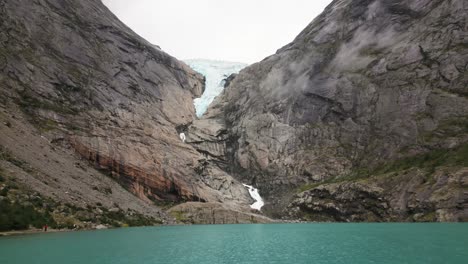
[215, 72]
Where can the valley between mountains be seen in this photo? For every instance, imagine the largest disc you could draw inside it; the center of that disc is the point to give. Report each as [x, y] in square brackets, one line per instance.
[362, 117]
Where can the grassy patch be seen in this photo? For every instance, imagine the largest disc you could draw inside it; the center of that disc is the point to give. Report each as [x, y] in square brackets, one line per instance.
[73, 127]
[21, 208]
[448, 128]
[15, 216]
[371, 51]
[428, 161]
[120, 218]
[141, 220]
[460, 47]
[165, 205]
[45, 125]
[179, 216]
[7, 156]
[308, 186]
[356, 174]
[429, 217]
[29, 102]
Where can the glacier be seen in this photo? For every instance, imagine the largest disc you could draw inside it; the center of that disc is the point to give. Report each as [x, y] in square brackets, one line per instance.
[215, 73]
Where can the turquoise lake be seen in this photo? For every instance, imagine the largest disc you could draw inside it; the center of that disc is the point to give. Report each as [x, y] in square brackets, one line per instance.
[256, 243]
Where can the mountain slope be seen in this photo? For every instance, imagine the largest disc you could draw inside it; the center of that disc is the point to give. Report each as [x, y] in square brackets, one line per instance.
[362, 117]
[82, 95]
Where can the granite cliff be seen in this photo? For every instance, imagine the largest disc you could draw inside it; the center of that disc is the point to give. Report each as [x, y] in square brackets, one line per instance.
[363, 117]
[91, 114]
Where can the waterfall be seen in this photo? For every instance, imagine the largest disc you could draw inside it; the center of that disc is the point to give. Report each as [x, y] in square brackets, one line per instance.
[182, 137]
[256, 196]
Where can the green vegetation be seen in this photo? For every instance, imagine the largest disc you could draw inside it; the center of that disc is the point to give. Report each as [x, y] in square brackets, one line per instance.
[19, 211]
[460, 47]
[428, 217]
[2, 175]
[179, 216]
[6, 155]
[21, 208]
[29, 102]
[317, 217]
[165, 205]
[45, 125]
[15, 216]
[309, 186]
[449, 128]
[4, 191]
[428, 161]
[120, 218]
[37, 212]
[354, 175]
[371, 51]
[141, 220]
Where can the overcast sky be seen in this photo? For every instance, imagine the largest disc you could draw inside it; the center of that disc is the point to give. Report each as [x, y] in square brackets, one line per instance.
[234, 30]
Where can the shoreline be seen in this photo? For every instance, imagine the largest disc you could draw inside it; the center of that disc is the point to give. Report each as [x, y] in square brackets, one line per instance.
[34, 231]
[40, 231]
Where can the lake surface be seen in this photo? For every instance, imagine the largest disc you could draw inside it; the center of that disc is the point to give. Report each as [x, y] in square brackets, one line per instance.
[256, 243]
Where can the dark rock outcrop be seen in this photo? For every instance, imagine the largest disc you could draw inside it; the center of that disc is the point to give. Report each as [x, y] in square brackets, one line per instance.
[366, 83]
[214, 213]
[412, 195]
[350, 202]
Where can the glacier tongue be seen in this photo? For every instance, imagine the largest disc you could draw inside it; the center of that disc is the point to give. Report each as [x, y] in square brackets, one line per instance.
[215, 72]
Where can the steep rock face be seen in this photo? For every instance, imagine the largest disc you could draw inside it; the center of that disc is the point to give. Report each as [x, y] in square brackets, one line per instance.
[365, 83]
[209, 136]
[412, 195]
[34, 170]
[214, 213]
[341, 202]
[87, 82]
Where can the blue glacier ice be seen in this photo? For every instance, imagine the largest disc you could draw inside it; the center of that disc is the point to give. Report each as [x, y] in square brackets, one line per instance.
[215, 72]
